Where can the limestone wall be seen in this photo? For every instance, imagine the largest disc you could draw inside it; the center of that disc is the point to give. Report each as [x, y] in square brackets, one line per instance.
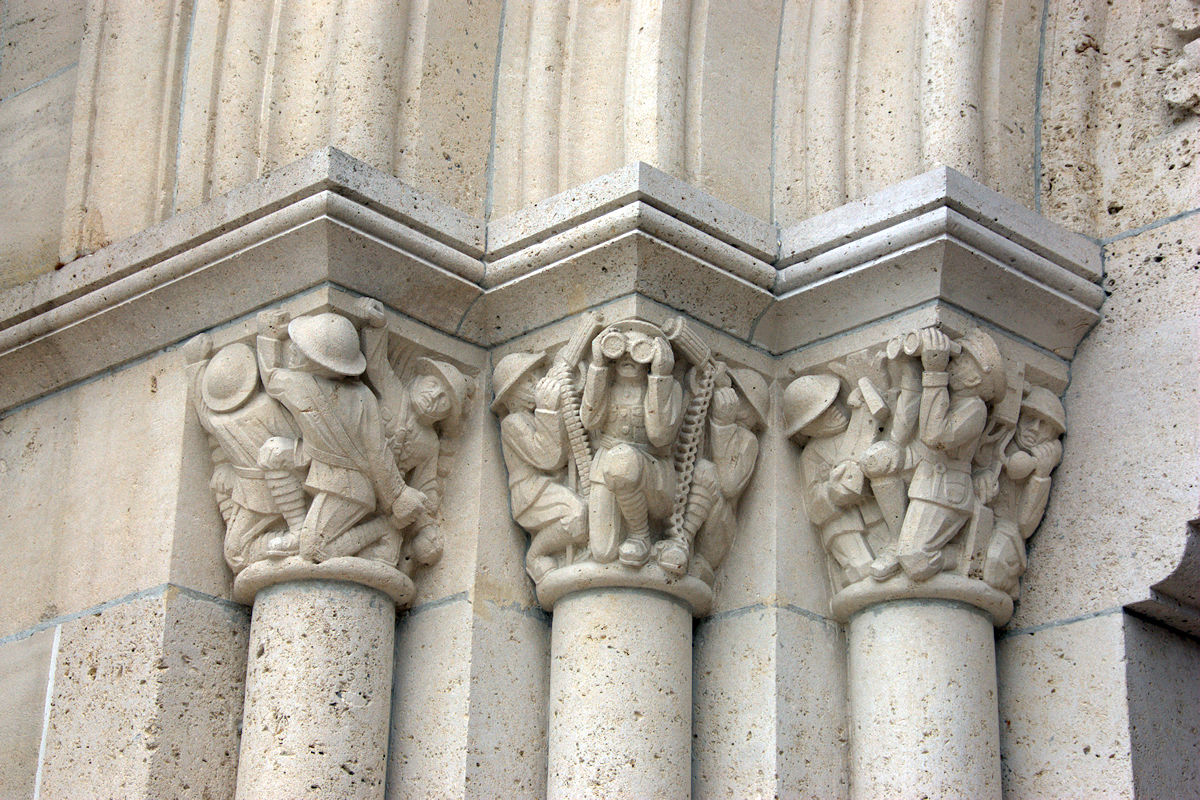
[123, 651]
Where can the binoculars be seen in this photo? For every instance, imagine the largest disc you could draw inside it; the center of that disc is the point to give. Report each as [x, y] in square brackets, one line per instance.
[613, 344]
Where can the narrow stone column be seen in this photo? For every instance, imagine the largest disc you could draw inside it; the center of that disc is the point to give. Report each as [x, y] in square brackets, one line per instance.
[926, 465]
[923, 701]
[628, 485]
[620, 695]
[318, 692]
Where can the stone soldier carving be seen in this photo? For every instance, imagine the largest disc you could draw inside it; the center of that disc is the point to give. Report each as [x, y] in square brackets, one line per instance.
[632, 408]
[1024, 487]
[536, 453]
[413, 413]
[834, 485]
[311, 365]
[953, 414]
[240, 418]
[739, 406]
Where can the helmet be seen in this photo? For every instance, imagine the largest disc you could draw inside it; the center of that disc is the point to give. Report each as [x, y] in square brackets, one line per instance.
[454, 382]
[753, 387]
[1042, 403]
[330, 340]
[806, 398]
[509, 371]
[229, 378]
[983, 349]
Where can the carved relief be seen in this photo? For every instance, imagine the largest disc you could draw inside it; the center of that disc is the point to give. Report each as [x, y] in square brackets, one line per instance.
[323, 448]
[925, 456]
[1183, 76]
[630, 447]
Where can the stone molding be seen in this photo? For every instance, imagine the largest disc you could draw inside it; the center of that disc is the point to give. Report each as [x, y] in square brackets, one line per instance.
[938, 249]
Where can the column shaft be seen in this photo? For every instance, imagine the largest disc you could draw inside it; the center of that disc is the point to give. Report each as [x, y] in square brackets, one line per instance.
[923, 702]
[318, 692]
[620, 696]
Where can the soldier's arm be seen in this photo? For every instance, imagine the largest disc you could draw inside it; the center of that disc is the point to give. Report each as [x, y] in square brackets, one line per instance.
[595, 396]
[818, 503]
[535, 439]
[935, 408]
[664, 408]
[735, 450]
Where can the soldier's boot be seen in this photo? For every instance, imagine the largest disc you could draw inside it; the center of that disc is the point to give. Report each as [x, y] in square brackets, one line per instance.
[427, 545]
[635, 550]
[675, 554]
[290, 500]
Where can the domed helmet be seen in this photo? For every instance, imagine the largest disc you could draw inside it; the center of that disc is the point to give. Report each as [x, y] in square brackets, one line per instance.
[229, 378]
[752, 386]
[329, 340]
[983, 349]
[1043, 403]
[511, 369]
[806, 398]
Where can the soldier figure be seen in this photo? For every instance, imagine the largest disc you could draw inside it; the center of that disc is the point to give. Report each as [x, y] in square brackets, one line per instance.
[412, 413]
[952, 417]
[536, 451]
[351, 470]
[633, 417]
[738, 411]
[834, 485]
[1024, 486]
[239, 419]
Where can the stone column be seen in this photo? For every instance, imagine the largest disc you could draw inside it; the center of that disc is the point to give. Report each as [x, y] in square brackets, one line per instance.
[326, 471]
[318, 688]
[923, 711]
[620, 695]
[627, 454]
[925, 464]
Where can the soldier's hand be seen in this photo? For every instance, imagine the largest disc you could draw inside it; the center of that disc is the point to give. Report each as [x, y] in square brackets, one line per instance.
[273, 323]
[546, 393]
[408, 505]
[1046, 457]
[935, 350]
[223, 479]
[597, 352]
[371, 310]
[724, 406]
[663, 362]
[197, 349]
[1019, 465]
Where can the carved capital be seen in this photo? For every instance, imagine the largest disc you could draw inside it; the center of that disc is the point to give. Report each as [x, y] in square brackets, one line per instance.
[926, 464]
[329, 440]
[628, 450]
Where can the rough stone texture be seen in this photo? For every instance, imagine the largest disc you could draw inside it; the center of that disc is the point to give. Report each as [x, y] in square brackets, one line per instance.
[620, 696]
[510, 684]
[790, 740]
[1064, 721]
[318, 691]
[79, 543]
[1112, 516]
[1164, 710]
[39, 38]
[1115, 154]
[35, 137]
[147, 697]
[25, 665]
[430, 700]
[922, 687]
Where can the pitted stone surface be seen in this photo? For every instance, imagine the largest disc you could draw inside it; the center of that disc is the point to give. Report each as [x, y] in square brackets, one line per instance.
[318, 692]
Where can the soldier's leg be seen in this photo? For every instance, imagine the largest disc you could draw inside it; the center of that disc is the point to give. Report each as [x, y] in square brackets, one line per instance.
[927, 528]
[328, 518]
[245, 534]
[674, 554]
[850, 550]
